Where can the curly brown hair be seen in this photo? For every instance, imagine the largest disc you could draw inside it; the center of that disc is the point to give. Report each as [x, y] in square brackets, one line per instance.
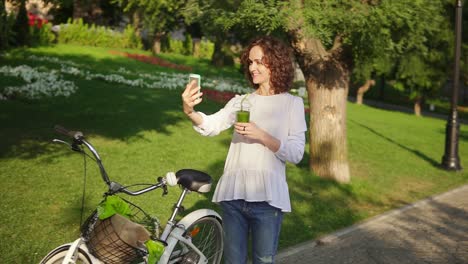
[277, 58]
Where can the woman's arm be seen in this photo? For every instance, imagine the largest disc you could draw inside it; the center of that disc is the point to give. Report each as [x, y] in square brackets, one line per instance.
[190, 98]
[292, 149]
[207, 125]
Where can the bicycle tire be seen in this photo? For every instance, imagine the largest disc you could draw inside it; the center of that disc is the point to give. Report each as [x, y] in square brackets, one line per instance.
[206, 234]
[60, 253]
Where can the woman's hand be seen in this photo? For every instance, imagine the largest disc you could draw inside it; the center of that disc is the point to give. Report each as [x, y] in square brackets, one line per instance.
[191, 97]
[249, 130]
[252, 131]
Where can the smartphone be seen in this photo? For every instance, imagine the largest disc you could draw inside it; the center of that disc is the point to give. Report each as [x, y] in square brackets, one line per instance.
[197, 77]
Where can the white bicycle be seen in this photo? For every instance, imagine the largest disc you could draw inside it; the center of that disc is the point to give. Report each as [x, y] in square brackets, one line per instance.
[196, 238]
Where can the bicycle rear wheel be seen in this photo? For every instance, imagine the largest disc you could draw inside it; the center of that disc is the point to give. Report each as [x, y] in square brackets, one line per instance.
[58, 256]
[206, 234]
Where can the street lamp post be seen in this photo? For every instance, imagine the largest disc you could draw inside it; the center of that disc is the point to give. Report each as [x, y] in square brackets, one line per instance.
[451, 160]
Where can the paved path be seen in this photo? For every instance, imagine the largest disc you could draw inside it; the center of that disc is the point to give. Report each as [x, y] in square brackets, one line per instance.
[434, 230]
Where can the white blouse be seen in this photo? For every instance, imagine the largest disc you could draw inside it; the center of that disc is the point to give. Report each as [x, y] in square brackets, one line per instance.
[252, 171]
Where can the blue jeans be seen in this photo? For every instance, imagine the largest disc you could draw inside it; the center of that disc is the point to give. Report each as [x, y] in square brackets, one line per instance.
[263, 221]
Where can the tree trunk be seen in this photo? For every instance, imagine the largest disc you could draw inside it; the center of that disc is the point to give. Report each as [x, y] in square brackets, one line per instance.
[78, 9]
[21, 26]
[137, 21]
[382, 88]
[362, 90]
[220, 55]
[3, 26]
[328, 144]
[156, 47]
[95, 12]
[417, 106]
[196, 47]
[327, 81]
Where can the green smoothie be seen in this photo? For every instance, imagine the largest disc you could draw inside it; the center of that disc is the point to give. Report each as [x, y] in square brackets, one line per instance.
[243, 116]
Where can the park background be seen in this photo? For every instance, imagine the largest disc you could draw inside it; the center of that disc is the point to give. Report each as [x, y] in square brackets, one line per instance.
[115, 70]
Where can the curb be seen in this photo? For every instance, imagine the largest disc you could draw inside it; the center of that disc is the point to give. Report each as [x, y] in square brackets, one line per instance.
[327, 239]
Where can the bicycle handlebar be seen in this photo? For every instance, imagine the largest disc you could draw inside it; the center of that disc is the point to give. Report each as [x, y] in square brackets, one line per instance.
[66, 132]
[114, 187]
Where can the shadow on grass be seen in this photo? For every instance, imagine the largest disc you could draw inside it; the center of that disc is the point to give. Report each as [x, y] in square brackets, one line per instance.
[110, 112]
[319, 206]
[418, 153]
[108, 109]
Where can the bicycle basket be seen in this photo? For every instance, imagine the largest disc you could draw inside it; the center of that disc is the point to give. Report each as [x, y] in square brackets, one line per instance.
[105, 241]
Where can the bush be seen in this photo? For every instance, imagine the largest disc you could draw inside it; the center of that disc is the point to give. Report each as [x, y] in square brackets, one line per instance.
[188, 45]
[41, 36]
[170, 45]
[131, 38]
[206, 49]
[77, 32]
[174, 46]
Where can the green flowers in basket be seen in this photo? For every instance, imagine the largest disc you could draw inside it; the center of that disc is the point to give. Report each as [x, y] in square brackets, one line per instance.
[155, 250]
[113, 205]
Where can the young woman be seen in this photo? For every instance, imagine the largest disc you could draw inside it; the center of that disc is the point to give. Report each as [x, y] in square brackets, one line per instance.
[253, 192]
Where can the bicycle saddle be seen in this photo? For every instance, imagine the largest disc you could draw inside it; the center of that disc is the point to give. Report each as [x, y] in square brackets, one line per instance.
[194, 180]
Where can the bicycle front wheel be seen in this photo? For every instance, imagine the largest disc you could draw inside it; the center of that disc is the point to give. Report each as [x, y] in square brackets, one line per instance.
[206, 234]
[58, 256]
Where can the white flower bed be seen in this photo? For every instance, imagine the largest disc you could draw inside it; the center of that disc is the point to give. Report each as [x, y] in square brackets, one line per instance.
[43, 82]
[38, 84]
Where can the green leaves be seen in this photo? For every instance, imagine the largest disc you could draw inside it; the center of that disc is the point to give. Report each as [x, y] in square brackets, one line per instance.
[158, 17]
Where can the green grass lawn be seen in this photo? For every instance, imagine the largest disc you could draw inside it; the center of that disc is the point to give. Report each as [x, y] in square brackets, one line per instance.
[142, 133]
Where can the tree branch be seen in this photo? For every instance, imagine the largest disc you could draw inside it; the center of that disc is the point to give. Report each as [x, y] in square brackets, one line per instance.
[337, 44]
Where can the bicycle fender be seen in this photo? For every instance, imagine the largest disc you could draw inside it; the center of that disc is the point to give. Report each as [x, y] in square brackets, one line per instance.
[52, 252]
[195, 215]
[71, 248]
[180, 228]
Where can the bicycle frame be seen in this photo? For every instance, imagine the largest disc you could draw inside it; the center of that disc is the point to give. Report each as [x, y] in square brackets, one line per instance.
[173, 232]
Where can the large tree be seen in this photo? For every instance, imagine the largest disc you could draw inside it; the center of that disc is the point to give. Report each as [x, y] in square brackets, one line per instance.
[425, 43]
[418, 38]
[329, 40]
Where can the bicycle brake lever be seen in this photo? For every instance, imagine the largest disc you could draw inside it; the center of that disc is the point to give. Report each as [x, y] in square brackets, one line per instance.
[164, 185]
[73, 146]
[62, 142]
